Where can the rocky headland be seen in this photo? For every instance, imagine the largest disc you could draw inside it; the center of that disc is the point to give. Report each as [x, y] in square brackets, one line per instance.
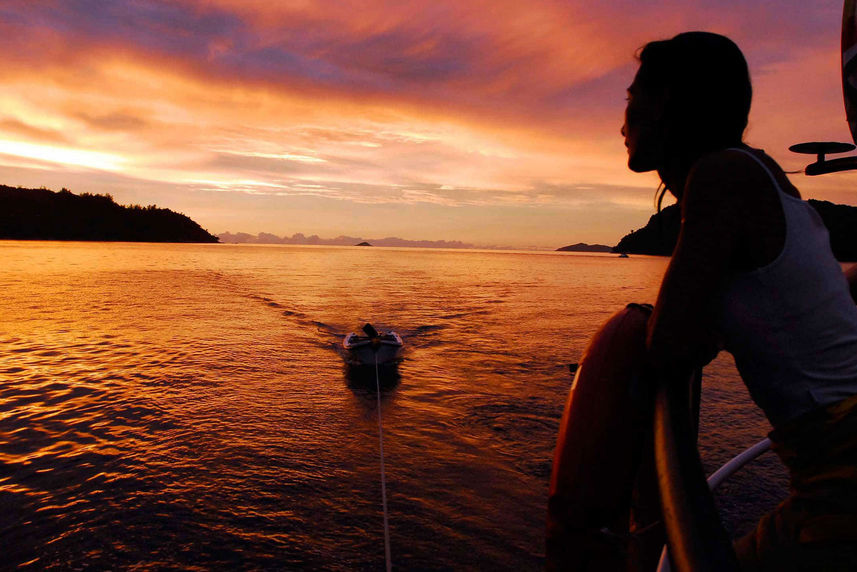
[42, 214]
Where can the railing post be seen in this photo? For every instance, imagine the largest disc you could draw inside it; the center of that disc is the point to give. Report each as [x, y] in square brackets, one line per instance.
[696, 539]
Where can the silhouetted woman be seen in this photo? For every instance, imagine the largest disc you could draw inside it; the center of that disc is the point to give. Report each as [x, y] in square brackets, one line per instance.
[752, 273]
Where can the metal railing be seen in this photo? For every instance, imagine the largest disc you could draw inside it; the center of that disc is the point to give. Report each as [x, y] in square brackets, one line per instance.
[696, 539]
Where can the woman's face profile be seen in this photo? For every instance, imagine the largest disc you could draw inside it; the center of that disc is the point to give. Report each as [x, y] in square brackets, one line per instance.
[643, 130]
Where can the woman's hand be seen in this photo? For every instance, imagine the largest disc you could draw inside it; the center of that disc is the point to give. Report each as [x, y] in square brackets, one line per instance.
[667, 353]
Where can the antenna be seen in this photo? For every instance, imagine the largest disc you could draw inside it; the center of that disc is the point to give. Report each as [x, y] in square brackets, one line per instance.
[849, 94]
[823, 165]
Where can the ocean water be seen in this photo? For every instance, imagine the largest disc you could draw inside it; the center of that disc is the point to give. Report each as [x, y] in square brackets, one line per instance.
[188, 406]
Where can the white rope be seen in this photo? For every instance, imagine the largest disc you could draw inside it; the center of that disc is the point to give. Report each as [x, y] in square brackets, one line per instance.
[383, 477]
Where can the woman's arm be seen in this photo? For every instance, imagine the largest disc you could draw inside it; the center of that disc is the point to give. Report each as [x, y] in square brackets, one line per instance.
[717, 197]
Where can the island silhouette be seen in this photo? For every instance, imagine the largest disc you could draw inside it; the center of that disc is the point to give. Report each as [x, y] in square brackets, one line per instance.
[584, 247]
[42, 214]
[660, 234]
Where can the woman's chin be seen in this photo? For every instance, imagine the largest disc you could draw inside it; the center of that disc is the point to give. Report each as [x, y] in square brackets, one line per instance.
[640, 166]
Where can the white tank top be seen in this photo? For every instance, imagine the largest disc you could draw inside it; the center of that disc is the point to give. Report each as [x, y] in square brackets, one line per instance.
[792, 325]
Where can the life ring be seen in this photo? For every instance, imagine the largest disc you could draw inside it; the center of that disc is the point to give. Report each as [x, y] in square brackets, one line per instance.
[606, 450]
[606, 418]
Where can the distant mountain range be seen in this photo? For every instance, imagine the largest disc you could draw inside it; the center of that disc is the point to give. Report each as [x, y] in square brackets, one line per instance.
[660, 234]
[42, 214]
[299, 238]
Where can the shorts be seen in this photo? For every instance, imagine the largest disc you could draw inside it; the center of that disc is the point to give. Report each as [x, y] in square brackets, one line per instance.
[815, 528]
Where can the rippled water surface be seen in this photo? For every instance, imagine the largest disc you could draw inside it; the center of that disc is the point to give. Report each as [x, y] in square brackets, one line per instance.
[187, 406]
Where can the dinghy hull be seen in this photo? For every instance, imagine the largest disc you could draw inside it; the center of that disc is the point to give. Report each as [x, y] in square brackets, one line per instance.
[384, 349]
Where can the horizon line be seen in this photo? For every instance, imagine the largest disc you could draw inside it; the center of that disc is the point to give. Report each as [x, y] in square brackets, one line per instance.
[299, 238]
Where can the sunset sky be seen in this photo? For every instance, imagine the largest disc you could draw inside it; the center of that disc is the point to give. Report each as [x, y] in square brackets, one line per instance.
[492, 122]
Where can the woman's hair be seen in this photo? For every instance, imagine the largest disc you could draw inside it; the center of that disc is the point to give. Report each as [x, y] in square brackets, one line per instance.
[705, 80]
[707, 84]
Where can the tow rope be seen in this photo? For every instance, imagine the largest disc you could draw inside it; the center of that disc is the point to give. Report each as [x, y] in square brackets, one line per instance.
[387, 557]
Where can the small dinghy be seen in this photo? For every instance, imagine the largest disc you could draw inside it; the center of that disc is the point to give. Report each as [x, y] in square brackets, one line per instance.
[374, 347]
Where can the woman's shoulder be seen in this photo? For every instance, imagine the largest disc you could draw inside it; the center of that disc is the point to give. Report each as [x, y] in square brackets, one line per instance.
[736, 192]
[735, 161]
[728, 175]
[745, 171]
